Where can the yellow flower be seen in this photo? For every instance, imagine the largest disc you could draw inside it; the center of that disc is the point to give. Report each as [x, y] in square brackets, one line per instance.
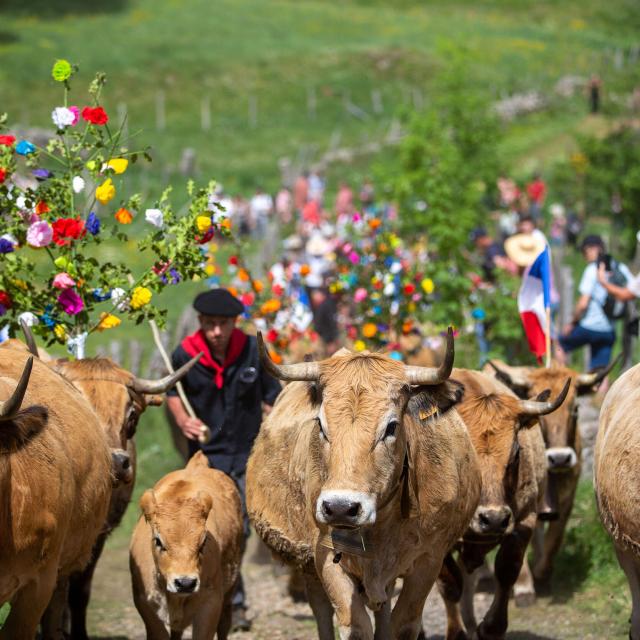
[358, 345]
[140, 297]
[369, 330]
[226, 224]
[61, 334]
[123, 216]
[105, 192]
[427, 285]
[61, 70]
[210, 269]
[21, 284]
[119, 165]
[203, 223]
[108, 321]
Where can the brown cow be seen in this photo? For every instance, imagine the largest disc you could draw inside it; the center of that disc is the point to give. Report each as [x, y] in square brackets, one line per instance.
[55, 486]
[616, 478]
[563, 449]
[416, 353]
[118, 398]
[510, 448]
[363, 472]
[185, 553]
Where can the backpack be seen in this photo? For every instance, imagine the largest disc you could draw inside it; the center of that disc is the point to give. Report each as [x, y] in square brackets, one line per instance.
[614, 309]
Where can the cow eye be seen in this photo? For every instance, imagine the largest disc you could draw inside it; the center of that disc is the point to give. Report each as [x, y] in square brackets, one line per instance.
[158, 542]
[390, 431]
[323, 435]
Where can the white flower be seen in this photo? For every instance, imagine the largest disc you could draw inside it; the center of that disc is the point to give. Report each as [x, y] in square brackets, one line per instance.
[11, 238]
[154, 217]
[119, 298]
[62, 117]
[21, 202]
[396, 267]
[389, 289]
[28, 318]
[78, 184]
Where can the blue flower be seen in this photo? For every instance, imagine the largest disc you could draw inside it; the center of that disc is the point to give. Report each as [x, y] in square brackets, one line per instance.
[175, 276]
[100, 296]
[92, 225]
[6, 246]
[41, 174]
[24, 147]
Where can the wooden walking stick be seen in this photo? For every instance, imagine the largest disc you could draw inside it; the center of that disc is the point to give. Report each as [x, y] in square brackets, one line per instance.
[205, 432]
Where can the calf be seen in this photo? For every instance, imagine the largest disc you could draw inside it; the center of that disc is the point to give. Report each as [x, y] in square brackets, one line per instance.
[185, 553]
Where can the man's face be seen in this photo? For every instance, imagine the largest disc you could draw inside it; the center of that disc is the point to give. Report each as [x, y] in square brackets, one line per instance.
[591, 253]
[217, 330]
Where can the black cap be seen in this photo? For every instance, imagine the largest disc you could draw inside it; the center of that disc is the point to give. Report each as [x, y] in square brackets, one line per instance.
[477, 233]
[218, 302]
[592, 241]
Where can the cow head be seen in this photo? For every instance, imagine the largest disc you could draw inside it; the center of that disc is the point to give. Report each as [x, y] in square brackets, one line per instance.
[494, 422]
[118, 398]
[359, 445]
[179, 536]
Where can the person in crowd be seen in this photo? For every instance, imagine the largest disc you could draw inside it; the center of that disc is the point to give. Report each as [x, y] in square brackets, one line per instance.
[228, 390]
[623, 293]
[590, 324]
[536, 192]
[558, 230]
[594, 87]
[284, 205]
[316, 186]
[325, 318]
[492, 255]
[508, 190]
[367, 195]
[261, 208]
[344, 200]
[301, 192]
[242, 215]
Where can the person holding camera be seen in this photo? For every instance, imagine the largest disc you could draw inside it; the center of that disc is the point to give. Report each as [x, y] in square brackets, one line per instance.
[623, 292]
[594, 314]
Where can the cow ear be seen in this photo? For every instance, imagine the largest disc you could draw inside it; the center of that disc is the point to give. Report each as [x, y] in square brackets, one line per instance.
[148, 505]
[206, 503]
[428, 400]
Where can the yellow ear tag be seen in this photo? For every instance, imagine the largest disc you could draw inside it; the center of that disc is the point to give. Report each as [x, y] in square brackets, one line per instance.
[427, 414]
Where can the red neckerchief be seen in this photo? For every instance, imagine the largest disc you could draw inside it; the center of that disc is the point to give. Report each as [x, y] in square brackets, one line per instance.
[196, 343]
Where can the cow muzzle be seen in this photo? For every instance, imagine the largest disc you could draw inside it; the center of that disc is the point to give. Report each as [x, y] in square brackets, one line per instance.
[561, 458]
[121, 466]
[492, 521]
[184, 584]
[346, 509]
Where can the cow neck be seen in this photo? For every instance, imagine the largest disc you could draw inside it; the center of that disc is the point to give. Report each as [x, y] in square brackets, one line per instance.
[197, 343]
[403, 482]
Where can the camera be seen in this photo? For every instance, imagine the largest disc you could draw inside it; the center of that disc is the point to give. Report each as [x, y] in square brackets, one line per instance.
[605, 259]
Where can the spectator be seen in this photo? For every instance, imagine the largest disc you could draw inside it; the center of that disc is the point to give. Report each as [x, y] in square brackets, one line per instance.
[301, 192]
[344, 200]
[316, 186]
[509, 192]
[558, 224]
[536, 191]
[260, 208]
[492, 255]
[367, 195]
[284, 205]
[623, 293]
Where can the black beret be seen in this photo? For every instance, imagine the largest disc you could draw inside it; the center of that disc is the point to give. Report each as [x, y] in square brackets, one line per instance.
[218, 302]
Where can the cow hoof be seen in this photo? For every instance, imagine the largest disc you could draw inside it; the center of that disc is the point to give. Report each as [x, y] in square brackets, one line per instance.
[482, 634]
[525, 599]
[423, 636]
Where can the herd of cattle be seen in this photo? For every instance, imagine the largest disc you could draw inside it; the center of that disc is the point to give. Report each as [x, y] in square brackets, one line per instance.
[366, 471]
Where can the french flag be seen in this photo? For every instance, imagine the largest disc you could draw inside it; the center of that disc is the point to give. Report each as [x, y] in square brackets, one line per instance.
[534, 298]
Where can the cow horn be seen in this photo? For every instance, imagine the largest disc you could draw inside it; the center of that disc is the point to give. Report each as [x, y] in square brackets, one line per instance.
[588, 380]
[309, 371]
[140, 385]
[536, 408]
[29, 339]
[10, 407]
[431, 375]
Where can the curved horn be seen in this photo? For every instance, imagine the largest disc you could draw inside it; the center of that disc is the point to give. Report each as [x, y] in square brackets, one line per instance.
[309, 371]
[140, 385]
[29, 339]
[10, 407]
[431, 375]
[537, 408]
[588, 380]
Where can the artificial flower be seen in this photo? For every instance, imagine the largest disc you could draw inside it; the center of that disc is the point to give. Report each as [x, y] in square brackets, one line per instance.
[123, 216]
[272, 335]
[61, 70]
[60, 332]
[233, 291]
[276, 357]
[248, 299]
[119, 165]
[65, 230]
[203, 223]
[24, 148]
[7, 140]
[70, 302]
[210, 269]
[270, 306]
[233, 260]
[243, 275]
[99, 295]
[95, 115]
[41, 207]
[409, 288]
[91, 165]
[62, 117]
[374, 223]
[63, 281]
[3, 175]
[76, 114]
[140, 297]
[258, 286]
[427, 285]
[92, 225]
[108, 321]
[359, 345]
[6, 246]
[360, 295]
[78, 184]
[305, 270]
[226, 224]
[39, 234]
[41, 174]
[369, 330]
[206, 237]
[154, 217]
[119, 298]
[28, 318]
[105, 192]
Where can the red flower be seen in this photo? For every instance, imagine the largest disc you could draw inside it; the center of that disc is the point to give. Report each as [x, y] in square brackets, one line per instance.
[7, 141]
[42, 207]
[95, 115]
[206, 237]
[248, 299]
[409, 288]
[3, 175]
[5, 300]
[67, 229]
[272, 335]
[277, 290]
[233, 260]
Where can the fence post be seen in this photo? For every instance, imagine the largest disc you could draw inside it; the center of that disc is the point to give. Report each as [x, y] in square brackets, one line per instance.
[135, 356]
[376, 101]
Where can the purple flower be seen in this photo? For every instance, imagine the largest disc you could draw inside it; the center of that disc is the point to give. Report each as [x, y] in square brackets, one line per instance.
[70, 302]
[92, 225]
[3, 310]
[6, 246]
[41, 174]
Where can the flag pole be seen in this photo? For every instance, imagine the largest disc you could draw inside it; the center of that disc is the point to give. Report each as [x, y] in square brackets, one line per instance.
[548, 337]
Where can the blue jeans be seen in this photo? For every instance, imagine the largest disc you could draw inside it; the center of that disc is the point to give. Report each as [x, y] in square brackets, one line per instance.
[601, 343]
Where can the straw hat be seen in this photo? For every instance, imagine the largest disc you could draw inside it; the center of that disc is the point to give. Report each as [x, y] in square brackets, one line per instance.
[317, 246]
[524, 248]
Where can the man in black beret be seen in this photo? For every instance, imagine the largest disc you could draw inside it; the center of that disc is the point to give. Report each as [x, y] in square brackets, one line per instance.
[228, 390]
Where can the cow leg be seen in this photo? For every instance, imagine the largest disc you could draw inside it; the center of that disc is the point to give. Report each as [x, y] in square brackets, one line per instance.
[52, 623]
[507, 567]
[382, 619]
[469, 586]
[450, 583]
[206, 621]
[524, 591]
[631, 567]
[320, 605]
[225, 620]
[406, 617]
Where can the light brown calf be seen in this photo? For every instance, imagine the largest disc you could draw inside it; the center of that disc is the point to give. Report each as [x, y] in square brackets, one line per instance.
[185, 553]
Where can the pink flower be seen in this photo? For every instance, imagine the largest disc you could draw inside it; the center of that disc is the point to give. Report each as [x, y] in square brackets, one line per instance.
[63, 281]
[39, 234]
[76, 113]
[354, 258]
[360, 294]
[70, 302]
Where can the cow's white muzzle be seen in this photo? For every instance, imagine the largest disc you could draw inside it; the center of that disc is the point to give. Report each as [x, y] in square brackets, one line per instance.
[342, 508]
